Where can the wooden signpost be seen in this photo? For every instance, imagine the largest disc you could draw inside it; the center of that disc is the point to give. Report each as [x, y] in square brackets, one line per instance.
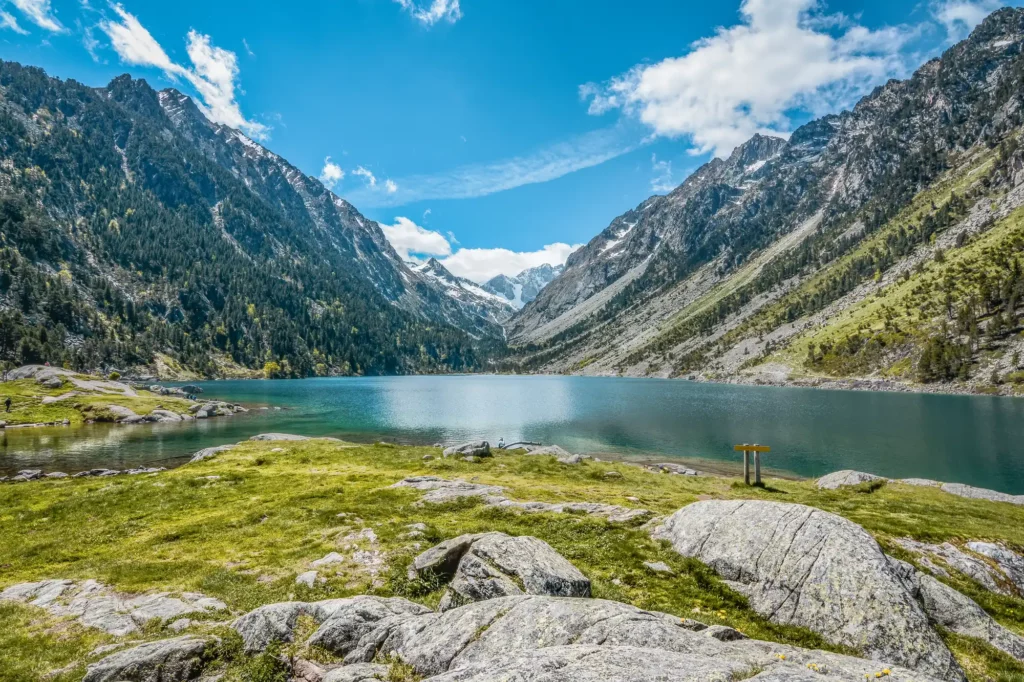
[746, 449]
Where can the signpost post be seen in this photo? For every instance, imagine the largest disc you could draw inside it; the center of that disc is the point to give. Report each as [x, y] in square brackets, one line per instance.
[756, 449]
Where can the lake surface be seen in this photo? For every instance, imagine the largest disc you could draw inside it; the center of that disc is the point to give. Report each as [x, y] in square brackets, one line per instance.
[968, 439]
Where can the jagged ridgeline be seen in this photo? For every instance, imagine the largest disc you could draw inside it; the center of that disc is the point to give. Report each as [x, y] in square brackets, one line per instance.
[883, 241]
[134, 232]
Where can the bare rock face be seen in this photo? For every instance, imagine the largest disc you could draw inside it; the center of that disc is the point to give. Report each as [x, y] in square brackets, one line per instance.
[99, 606]
[530, 638]
[340, 632]
[168, 660]
[276, 622]
[841, 479]
[494, 565]
[803, 566]
[957, 612]
[991, 565]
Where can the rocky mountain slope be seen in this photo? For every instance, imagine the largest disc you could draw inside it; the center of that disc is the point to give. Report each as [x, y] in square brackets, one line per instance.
[137, 232]
[475, 299]
[525, 286]
[888, 236]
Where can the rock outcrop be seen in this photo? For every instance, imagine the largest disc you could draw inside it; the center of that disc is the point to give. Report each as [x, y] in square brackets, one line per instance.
[991, 565]
[492, 565]
[530, 637]
[477, 448]
[802, 566]
[840, 479]
[96, 605]
[349, 622]
[169, 660]
[439, 491]
[956, 612]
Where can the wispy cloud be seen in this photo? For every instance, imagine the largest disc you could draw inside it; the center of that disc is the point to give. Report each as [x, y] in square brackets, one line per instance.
[783, 55]
[213, 74]
[413, 242]
[662, 180]
[437, 10]
[8, 21]
[479, 180]
[40, 13]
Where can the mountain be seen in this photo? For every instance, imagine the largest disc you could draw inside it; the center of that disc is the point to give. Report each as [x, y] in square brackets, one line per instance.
[137, 233]
[476, 300]
[883, 242]
[525, 286]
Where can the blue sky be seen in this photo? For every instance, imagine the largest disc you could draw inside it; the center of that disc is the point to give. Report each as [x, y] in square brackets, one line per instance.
[495, 134]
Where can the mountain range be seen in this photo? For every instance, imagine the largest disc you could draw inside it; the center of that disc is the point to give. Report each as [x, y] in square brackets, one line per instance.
[883, 242]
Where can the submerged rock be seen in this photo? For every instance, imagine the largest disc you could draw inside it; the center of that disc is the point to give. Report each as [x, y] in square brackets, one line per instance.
[802, 566]
[492, 565]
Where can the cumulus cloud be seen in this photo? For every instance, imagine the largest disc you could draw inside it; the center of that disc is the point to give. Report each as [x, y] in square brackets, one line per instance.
[437, 10]
[959, 17]
[8, 21]
[783, 55]
[479, 180]
[213, 74]
[413, 242]
[39, 13]
[331, 174]
[480, 265]
[410, 240]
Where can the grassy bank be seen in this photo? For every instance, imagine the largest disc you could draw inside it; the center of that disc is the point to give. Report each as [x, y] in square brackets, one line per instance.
[242, 526]
[28, 404]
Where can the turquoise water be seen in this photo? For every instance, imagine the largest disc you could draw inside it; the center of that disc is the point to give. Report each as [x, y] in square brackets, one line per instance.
[968, 439]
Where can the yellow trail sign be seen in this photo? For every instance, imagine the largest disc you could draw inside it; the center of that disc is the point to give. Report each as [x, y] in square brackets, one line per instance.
[746, 449]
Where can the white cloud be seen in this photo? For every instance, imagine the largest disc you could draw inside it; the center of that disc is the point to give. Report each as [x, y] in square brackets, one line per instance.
[7, 20]
[480, 265]
[213, 74]
[437, 10]
[248, 50]
[959, 17]
[410, 240]
[413, 242]
[662, 180]
[331, 174]
[784, 55]
[371, 179]
[39, 13]
[390, 186]
[479, 180]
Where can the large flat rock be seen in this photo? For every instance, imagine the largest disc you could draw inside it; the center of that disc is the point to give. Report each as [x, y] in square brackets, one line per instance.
[802, 566]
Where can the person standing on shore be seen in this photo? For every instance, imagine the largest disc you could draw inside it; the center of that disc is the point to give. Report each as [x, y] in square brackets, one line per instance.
[7, 404]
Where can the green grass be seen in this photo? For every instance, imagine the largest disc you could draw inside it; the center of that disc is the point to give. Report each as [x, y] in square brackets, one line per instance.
[27, 403]
[245, 536]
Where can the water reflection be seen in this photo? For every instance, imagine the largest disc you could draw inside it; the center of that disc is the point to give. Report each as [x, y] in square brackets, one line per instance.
[958, 438]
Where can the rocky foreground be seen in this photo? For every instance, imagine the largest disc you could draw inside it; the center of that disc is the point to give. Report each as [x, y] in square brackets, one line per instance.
[464, 565]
